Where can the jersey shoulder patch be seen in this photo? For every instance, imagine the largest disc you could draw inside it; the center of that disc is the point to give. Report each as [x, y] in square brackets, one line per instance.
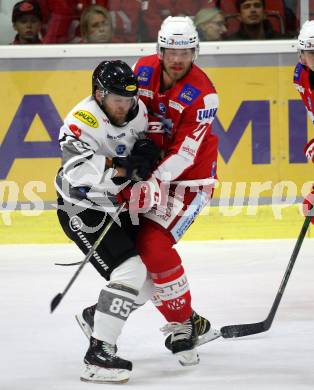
[144, 75]
[298, 72]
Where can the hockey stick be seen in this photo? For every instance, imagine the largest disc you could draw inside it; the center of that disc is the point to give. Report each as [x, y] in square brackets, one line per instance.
[240, 330]
[57, 299]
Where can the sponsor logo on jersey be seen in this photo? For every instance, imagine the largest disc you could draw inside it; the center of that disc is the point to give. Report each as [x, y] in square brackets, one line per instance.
[176, 106]
[297, 72]
[130, 88]
[120, 149]
[86, 117]
[188, 150]
[109, 136]
[162, 108]
[205, 114]
[144, 75]
[188, 94]
[75, 130]
[177, 42]
[146, 92]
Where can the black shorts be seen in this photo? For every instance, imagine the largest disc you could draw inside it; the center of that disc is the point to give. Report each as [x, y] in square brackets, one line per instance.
[84, 227]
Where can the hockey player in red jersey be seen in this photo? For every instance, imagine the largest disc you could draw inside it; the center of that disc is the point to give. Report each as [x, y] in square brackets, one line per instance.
[182, 103]
[304, 83]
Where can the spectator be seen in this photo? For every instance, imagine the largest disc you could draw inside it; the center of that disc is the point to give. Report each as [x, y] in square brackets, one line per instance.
[126, 19]
[96, 25]
[291, 17]
[253, 22]
[157, 10]
[210, 24]
[27, 19]
[63, 18]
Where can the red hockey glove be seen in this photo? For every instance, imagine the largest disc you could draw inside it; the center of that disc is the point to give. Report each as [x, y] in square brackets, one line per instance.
[141, 196]
[308, 203]
[309, 150]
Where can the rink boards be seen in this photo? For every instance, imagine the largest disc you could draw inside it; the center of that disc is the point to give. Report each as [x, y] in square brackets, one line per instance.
[214, 223]
[261, 123]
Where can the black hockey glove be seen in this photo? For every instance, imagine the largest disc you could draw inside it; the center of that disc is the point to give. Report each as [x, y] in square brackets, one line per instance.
[137, 168]
[140, 163]
[148, 149]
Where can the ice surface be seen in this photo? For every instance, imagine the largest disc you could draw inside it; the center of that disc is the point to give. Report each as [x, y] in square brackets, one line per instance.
[231, 282]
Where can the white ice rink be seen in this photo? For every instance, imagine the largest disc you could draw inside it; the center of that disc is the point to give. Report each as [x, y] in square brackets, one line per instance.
[231, 282]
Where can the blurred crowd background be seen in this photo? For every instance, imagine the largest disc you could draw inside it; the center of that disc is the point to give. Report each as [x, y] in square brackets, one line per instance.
[131, 21]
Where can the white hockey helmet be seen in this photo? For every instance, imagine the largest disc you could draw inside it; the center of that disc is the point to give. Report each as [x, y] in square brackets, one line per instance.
[306, 36]
[177, 32]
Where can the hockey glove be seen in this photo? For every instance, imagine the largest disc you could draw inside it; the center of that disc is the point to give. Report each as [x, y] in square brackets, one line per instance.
[147, 149]
[136, 167]
[308, 203]
[309, 150]
[140, 163]
[141, 196]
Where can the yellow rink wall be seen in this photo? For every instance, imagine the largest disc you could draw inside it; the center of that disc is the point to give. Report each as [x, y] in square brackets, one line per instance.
[261, 123]
[215, 223]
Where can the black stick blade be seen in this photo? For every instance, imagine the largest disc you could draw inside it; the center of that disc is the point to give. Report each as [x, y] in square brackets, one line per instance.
[55, 302]
[233, 331]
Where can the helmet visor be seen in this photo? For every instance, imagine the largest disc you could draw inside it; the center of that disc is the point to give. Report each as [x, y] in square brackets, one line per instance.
[127, 101]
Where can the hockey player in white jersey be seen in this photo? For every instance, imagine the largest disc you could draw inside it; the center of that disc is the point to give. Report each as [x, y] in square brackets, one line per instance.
[106, 127]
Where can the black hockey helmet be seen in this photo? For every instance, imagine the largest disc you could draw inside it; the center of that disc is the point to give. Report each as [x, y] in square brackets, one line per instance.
[114, 77]
[118, 78]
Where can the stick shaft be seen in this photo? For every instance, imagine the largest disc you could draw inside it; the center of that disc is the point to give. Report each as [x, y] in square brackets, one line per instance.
[55, 302]
[240, 330]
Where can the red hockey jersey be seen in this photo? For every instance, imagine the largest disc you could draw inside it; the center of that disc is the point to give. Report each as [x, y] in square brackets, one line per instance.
[180, 121]
[304, 81]
[301, 81]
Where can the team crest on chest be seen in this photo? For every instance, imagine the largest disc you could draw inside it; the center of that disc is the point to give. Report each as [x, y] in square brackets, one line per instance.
[120, 149]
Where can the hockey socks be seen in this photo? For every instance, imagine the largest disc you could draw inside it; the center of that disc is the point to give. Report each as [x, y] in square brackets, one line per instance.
[173, 291]
[113, 308]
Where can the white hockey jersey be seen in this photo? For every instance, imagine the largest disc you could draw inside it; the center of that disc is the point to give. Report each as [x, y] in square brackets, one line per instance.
[87, 140]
